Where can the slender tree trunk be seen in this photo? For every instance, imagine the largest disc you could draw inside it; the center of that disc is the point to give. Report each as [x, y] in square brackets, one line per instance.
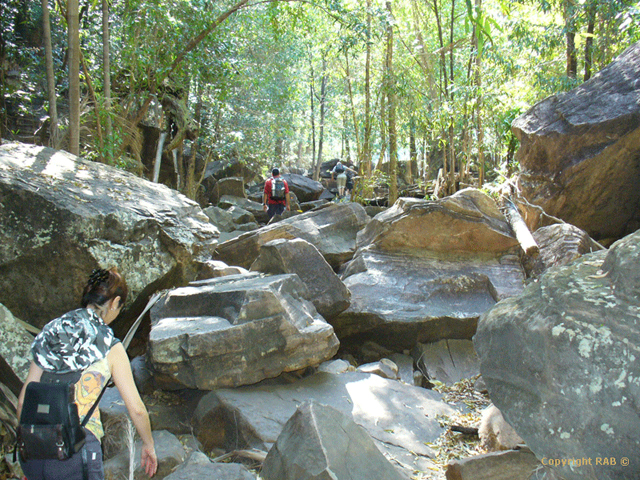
[383, 130]
[413, 150]
[393, 139]
[51, 78]
[366, 148]
[96, 107]
[353, 108]
[588, 44]
[316, 171]
[572, 60]
[452, 153]
[478, 82]
[73, 33]
[323, 108]
[106, 67]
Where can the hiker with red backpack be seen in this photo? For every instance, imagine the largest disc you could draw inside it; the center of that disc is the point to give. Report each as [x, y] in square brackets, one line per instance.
[276, 195]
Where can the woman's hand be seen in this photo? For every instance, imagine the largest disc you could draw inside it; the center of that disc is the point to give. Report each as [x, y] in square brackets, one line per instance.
[148, 460]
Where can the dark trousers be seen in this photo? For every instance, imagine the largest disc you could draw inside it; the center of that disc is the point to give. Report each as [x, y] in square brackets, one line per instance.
[275, 209]
[70, 469]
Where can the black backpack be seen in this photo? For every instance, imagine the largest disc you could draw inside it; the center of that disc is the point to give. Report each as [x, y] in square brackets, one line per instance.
[277, 189]
[49, 425]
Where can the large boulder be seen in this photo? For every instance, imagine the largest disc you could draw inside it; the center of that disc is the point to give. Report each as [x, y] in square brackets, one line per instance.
[579, 151]
[426, 271]
[319, 441]
[559, 244]
[305, 188]
[561, 363]
[233, 186]
[236, 330]
[326, 291]
[401, 419]
[332, 229]
[63, 216]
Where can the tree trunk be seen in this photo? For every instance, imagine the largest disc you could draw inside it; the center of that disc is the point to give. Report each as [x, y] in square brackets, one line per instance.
[323, 108]
[588, 43]
[106, 67]
[73, 32]
[478, 82]
[366, 147]
[96, 107]
[572, 60]
[353, 108]
[51, 78]
[316, 171]
[393, 100]
[413, 150]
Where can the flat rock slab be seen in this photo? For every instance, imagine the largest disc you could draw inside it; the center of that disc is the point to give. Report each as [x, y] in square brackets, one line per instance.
[401, 298]
[236, 330]
[400, 418]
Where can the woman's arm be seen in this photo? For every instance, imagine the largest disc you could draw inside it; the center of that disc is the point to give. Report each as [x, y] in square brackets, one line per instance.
[34, 375]
[123, 378]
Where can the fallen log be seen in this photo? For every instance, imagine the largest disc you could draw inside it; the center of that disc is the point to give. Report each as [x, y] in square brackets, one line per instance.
[520, 229]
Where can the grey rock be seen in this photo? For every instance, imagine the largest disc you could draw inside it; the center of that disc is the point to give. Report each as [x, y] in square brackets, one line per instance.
[400, 418]
[385, 368]
[319, 441]
[222, 219]
[240, 216]
[233, 186]
[253, 207]
[447, 361]
[326, 291]
[236, 330]
[579, 151]
[505, 465]
[331, 229]
[305, 188]
[216, 268]
[168, 449]
[335, 366]
[495, 433]
[198, 466]
[559, 245]
[63, 216]
[560, 362]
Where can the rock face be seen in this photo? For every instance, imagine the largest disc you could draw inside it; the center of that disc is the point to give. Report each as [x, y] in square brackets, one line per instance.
[236, 330]
[331, 229]
[561, 363]
[326, 291]
[306, 189]
[321, 442]
[15, 344]
[579, 151]
[427, 270]
[559, 244]
[63, 216]
[401, 419]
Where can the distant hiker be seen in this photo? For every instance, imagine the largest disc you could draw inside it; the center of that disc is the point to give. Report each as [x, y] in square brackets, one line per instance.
[276, 195]
[341, 177]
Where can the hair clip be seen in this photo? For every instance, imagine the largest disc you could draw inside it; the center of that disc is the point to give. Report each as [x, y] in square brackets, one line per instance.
[98, 276]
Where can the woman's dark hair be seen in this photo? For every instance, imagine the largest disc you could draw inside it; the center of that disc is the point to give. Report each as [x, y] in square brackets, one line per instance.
[102, 286]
